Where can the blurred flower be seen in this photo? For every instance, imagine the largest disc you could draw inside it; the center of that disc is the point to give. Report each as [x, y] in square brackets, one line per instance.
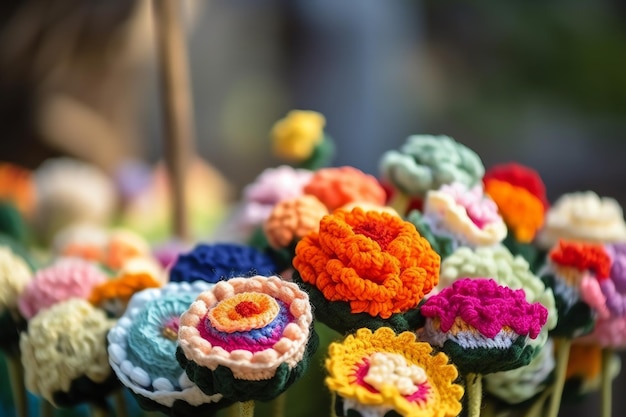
[427, 162]
[484, 327]
[81, 240]
[291, 220]
[375, 263]
[296, 136]
[64, 354]
[221, 261]
[17, 187]
[113, 295]
[247, 338]
[66, 278]
[336, 187]
[375, 373]
[583, 216]
[142, 350]
[123, 245]
[15, 275]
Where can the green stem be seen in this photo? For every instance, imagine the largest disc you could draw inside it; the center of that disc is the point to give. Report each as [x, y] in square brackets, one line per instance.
[16, 374]
[246, 409]
[562, 356]
[333, 402]
[120, 403]
[607, 382]
[278, 405]
[97, 411]
[536, 409]
[474, 388]
[45, 409]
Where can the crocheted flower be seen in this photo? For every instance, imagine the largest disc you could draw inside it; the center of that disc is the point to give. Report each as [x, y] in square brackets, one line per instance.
[484, 327]
[64, 354]
[573, 272]
[521, 197]
[113, 295]
[247, 338]
[142, 351]
[296, 136]
[336, 187]
[364, 269]
[66, 278]
[220, 261]
[82, 240]
[291, 220]
[15, 274]
[368, 207]
[17, 187]
[427, 162]
[584, 370]
[270, 187]
[381, 374]
[583, 216]
[71, 191]
[167, 253]
[122, 246]
[442, 244]
[466, 215]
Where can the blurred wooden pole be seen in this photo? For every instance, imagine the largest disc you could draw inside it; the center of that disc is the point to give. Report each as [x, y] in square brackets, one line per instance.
[176, 105]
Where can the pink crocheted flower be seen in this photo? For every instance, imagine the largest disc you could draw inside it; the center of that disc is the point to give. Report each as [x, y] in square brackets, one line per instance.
[66, 278]
[483, 326]
[336, 187]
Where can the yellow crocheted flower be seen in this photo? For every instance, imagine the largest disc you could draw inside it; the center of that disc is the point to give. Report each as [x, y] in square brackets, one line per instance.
[295, 136]
[392, 372]
[63, 343]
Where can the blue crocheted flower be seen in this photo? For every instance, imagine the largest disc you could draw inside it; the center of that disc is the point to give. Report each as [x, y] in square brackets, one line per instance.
[221, 261]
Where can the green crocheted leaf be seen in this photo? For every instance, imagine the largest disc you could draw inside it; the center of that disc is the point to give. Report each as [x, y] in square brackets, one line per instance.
[443, 245]
[322, 155]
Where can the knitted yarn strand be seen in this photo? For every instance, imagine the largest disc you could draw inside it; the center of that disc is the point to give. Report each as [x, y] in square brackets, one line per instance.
[607, 383]
[562, 356]
[474, 389]
[246, 409]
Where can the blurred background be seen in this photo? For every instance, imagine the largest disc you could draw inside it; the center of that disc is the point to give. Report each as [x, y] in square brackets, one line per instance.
[541, 83]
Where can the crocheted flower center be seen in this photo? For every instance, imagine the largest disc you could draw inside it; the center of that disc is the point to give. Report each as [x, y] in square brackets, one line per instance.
[169, 330]
[243, 312]
[377, 231]
[390, 369]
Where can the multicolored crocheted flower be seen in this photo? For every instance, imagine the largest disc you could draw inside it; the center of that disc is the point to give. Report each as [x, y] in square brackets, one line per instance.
[142, 351]
[220, 261]
[299, 138]
[247, 338]
[427, 162]
[465, 215]
[270, 187]
[339, 186]
[484, 327]
[65, 278]
[520, 195]
[573, 272]
[585, 217]
[365, 269]
[291, 220]
[382, 374]
[64, 354]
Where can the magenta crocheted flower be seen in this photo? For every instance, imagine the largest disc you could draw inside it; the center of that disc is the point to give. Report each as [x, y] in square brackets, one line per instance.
[66, 278]
[484, 327]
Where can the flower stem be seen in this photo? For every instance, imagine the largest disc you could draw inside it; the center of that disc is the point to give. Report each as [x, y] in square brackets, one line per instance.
[278, 405]
[16, 374]
[120, 403]
[607, 382]
[45, 409]
[333, 404]
[536, 409]
[97, 411]
[562, 356]
[474, 388]
[246, 409]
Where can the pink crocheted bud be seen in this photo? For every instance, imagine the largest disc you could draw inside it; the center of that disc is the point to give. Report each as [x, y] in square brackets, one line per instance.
[480, 209]
[66, 278]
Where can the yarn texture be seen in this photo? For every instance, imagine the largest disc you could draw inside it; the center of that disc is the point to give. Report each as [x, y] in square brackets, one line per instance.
[15, 274]
[121, 289]
[63, 344]
[247, 338]
[375, 262]
[295, 137]
[375, 373]
[221, 261]
[291, 220]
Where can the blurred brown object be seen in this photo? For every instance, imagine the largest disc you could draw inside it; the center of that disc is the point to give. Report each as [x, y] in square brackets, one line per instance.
[70, 79]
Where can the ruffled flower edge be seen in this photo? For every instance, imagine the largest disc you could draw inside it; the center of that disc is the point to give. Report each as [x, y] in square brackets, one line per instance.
[338, 315]
[263, 364]
[444, 395]
[135, 378]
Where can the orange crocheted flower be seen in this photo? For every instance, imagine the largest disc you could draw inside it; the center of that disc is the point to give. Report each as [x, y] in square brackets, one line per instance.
[522, 211]
[16, 186]
[582, 256]
[375, 261]
[584, 361]
[293, 219]
[336, 187]
[122, 288]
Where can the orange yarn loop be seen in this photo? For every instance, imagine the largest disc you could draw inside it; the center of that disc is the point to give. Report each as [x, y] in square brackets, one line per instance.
[521, 210]
[375, 261]
[122, 288]
[582, 256]
[336, 187]
[293, 219]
